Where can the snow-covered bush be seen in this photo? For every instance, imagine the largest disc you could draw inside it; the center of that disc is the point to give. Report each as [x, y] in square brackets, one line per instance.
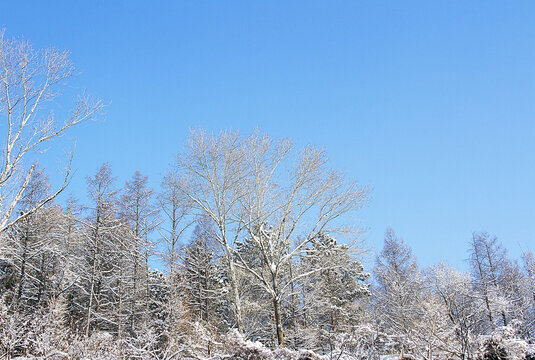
[235, 347]
[504, 344]
[13, 331]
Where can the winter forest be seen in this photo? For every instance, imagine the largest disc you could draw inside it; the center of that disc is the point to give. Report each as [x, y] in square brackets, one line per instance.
[250, 249]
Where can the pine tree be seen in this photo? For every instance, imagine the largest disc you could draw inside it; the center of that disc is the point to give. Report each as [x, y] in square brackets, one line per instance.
[202, 281]
[338, 284]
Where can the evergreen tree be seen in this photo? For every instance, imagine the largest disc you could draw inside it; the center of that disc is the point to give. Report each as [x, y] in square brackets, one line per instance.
[336, 286]
[202, 281]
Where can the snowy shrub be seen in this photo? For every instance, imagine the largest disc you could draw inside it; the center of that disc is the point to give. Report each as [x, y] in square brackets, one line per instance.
[14, 328]
[504, 344]
[237, 348]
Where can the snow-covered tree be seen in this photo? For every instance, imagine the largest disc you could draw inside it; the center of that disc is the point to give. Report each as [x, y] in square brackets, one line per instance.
[336, 286]
[35, 249]
[453, 289]
[31, 81]
[528, 291]
[210, 178]
[202, 281]
[399, 291]
[174, 212]
[27, 238]
[140, 214]
[290, 198]
[493, 277]
[102, 264]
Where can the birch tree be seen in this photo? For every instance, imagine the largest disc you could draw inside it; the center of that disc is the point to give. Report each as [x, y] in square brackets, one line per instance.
[257, 189]
[30, 82]
[290, 198]
[210, 177]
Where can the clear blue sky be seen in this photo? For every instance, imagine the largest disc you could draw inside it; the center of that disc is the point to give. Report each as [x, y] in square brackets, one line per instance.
[431, 103]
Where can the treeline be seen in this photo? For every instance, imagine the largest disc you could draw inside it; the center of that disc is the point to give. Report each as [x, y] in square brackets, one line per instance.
[261, 257]
[80, 276]
[259, 242]
[441, 312]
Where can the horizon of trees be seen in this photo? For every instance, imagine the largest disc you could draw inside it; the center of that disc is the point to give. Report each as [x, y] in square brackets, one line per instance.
[88, 266]
[271, 266]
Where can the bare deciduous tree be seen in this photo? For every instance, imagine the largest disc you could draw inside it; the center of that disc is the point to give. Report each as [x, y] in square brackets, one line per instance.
[142, 217]
[288, 201]
[211, 179]
[174, 220]
[399, 290]
[30, 80]
[491, 273]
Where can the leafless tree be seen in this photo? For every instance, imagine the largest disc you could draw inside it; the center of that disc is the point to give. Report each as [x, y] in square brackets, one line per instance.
[453, 290]
[210, 177]
[288, 201]
[103, 251]
[30, 80]
[175, 221]
[494, 278]
[398, 291]
[30, 239]
[141, 215]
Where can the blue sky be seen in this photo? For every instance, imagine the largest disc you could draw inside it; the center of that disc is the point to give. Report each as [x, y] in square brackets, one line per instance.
[429, 103]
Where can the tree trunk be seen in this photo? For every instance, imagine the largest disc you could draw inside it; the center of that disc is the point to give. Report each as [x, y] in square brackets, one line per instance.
[134, 294]
[42, 279]
[235, 293]
[22, 269]
[91, 295]
[93, 274]
[277, 310]
[278, 321]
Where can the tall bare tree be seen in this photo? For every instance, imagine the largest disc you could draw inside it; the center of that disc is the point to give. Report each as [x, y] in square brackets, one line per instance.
[493, 273]
[454, 290]
[140, 214]
[210, 177]
[30, 82]
[289, 199]
[175, 221]
[399, 290]
[103, 252]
